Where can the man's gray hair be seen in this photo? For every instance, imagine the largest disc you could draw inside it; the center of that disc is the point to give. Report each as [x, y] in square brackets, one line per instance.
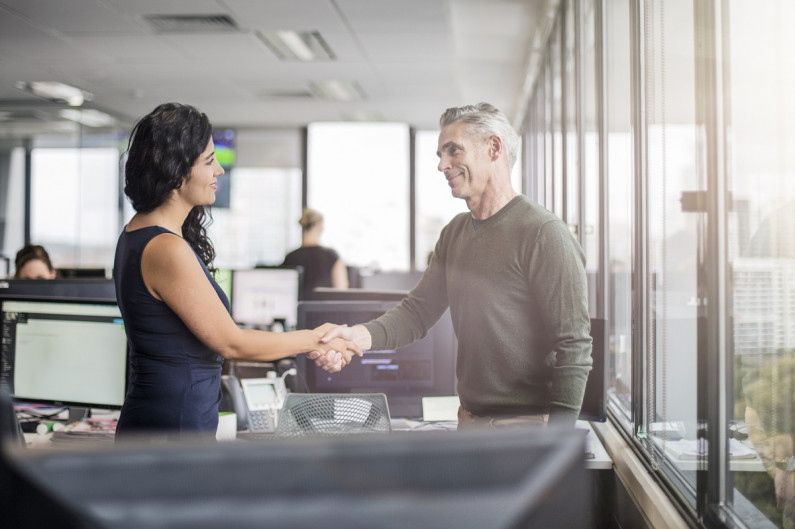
[486, 120]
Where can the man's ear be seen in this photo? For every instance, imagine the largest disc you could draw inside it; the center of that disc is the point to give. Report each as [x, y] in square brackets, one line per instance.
[495, 147]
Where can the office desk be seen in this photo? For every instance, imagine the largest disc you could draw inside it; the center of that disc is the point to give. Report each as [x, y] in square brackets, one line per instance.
[684, 456]
[600, 460]
[600, 466]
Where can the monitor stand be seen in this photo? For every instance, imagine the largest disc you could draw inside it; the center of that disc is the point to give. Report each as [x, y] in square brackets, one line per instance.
[77, 414]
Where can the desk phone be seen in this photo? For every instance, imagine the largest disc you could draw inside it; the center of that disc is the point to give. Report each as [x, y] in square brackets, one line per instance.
[264, 399]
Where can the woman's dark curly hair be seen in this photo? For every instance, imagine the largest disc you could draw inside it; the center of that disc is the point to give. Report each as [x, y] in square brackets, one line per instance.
[164, 145]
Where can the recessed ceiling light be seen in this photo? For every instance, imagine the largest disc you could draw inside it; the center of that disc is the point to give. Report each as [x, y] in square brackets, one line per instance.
[362, 115]
[297, 46]
[336, 90]
[89, 117]
[55, 91]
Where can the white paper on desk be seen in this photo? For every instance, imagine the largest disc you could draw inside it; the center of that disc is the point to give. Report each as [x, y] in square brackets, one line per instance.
[440, 408]
[689, 449]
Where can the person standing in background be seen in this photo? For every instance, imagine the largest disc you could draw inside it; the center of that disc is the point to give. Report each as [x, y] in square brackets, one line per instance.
[33, 262]
[322, 266]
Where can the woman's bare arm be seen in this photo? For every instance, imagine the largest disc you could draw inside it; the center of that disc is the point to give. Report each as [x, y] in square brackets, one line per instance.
[172, 274]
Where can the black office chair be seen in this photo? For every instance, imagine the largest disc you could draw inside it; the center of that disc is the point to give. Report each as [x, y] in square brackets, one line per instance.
[10, 429]
[333, 414]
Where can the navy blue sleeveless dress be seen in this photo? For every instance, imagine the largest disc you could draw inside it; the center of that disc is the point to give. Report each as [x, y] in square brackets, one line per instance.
[175, 380]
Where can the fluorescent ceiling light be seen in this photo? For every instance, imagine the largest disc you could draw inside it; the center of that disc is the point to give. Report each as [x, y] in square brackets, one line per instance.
[336, 90]
[55, 91]
[297, 46]
[88, 117]
[362, 115]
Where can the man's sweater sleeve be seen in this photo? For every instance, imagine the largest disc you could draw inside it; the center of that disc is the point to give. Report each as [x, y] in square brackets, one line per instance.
[416, 314]
[557, 275]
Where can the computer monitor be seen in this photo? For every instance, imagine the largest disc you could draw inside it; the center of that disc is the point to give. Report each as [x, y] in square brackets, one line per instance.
[391, 280]
[86, 289]
[357, 294]
[424, 368]
[467, 480]
[71, 273]
[65, 352]
[223, 276]
[263, 297]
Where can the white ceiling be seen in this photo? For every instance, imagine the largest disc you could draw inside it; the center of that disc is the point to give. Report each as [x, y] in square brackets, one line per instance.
[412, 58]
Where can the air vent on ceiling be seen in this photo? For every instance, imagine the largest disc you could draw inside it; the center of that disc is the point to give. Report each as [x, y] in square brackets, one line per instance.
[191, 23]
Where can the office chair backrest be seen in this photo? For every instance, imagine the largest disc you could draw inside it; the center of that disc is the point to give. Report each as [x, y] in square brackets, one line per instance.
[594, 404]
[10, 430]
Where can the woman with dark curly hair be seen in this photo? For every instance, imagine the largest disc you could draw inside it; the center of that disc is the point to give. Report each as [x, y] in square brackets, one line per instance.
[175, 314]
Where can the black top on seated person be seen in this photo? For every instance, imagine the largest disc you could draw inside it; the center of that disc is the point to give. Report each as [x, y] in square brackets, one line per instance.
[322, 265]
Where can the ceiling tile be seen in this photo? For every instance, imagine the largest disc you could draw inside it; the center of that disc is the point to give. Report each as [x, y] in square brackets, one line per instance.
[298, 15]
[389, 16]
[75, 16]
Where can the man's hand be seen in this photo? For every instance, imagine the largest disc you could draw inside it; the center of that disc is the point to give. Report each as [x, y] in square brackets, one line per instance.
[357, 334]
[335, 352]
[333, 361]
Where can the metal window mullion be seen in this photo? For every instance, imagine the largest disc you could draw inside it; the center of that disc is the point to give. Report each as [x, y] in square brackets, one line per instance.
[712, 273]
[28, 146]
[304, 166]
[564, 111]
[640, 321]
[412, 199]
[579, 113]
[602, 301]
[549, 183]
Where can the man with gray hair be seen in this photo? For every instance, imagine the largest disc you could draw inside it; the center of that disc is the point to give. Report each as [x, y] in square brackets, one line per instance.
[514, 278]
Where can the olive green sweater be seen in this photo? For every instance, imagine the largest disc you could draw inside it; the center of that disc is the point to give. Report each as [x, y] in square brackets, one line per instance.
[517, 294]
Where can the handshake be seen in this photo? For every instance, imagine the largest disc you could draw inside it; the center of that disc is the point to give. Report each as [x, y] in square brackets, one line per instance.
[337, 344]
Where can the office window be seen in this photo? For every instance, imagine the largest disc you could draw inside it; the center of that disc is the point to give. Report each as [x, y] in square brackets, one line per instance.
[761, 245]
[537, 160]
[620, 203]
[74, 204]
[12, 201]
[261, 224]
[435, 204]
[358, 177]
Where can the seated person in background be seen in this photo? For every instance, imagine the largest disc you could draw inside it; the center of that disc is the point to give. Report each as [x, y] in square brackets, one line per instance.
[322, 266]
[33, 262]
[175, 315]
